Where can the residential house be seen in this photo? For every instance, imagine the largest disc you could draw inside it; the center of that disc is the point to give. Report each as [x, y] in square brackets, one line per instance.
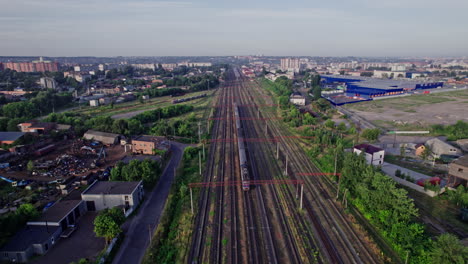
[108, 194]
[373, 154]
[458, 172]
[419, 149]
[297, 99]
[148, 144]
[463, 144]
[439, 147]
[36, 127]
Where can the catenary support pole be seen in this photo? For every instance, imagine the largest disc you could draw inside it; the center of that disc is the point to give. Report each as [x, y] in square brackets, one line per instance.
[277, 149]
[199, 160]
[302, 194]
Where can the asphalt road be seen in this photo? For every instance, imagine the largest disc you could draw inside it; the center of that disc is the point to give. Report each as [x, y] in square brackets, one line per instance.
[144, 223]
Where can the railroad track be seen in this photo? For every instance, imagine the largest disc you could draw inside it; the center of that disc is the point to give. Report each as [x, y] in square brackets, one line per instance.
[329, 224]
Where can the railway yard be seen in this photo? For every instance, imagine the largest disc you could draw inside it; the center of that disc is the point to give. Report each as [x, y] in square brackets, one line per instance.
[279, 216]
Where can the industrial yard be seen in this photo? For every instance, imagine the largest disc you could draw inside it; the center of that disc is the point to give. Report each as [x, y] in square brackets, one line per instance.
[416, 111]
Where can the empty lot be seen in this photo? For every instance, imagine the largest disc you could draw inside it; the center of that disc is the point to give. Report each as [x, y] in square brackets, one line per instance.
[416, 111]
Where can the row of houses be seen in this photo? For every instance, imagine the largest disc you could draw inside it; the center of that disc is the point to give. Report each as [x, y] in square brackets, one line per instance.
[457, 169]
[40, 235]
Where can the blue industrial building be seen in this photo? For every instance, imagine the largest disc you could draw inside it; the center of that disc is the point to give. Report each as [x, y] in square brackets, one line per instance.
[369, 88]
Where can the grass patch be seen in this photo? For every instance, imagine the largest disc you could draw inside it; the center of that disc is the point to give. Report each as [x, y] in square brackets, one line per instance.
[169, 243]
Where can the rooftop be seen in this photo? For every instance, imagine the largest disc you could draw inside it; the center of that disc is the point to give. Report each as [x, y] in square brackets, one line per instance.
[368, 148]
[147, 138]
[384, 84]
[101, 134]
[28, 236]
[10, 136]
[463, 161]
[58, 211]
[112, 187]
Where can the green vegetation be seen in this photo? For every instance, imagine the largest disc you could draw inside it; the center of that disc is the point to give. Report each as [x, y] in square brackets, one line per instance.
[169, 244]
[371, 134]
[448, 249]
[107, 223]
[147, 171]
[459, 197]
[453, 132]
[11, 222]
[387, 207]
[132, 126]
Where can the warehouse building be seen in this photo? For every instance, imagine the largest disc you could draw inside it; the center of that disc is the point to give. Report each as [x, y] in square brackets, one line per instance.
[10, 137]
[40, 235]
[103, 137]
[108, 194]
[30, 241]
[365, 88]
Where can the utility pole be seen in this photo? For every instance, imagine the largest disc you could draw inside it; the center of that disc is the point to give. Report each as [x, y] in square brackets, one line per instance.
[286, 170]
[266, 127]
[191, 200]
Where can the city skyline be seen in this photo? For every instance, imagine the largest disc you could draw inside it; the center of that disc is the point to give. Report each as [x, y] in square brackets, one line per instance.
[214, 28]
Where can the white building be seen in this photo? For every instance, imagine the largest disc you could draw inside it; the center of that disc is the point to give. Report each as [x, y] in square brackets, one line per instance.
[373, 154]
[297, 99]
[108, 194]
[142, 66]
[93, 102]
[48, 83]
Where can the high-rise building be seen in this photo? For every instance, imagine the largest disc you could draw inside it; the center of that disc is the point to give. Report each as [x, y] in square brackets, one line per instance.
[102, 67]
[290, 64]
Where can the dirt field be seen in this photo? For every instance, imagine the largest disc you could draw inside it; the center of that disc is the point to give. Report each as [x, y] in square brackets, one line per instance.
[416, 111]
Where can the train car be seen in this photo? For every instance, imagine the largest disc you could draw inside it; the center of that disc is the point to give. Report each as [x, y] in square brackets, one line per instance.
[242, 154]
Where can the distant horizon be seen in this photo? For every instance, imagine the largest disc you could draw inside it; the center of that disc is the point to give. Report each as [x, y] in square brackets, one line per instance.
[110, 28]
[214, 56]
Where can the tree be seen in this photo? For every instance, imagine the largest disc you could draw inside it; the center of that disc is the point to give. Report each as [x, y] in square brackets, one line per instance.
[27, 212]
[448, 249]
[30, 166]
[309, 119]
[317, 92]
[107, 223]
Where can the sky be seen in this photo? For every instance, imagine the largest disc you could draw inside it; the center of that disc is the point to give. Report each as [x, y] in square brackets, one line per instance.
[240, 27]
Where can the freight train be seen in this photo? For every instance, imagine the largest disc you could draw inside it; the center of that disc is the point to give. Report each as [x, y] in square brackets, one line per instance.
[242, 154]
[176, 101]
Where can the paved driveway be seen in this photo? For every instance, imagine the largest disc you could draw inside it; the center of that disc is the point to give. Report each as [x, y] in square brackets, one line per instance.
[83, 243]
[143, 224]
